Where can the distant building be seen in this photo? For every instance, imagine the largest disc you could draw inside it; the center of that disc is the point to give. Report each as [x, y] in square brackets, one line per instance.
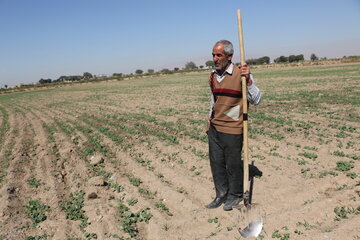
[101, 75]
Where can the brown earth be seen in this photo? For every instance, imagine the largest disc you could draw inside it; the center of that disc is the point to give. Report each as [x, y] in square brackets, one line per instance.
[99, 139]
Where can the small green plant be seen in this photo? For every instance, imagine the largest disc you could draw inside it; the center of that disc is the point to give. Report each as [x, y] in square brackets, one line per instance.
[325, 173]
[135, 181]
[35, 210]
[163, 207]
[116, 187]
[342, 212]
[36, 237]
[261, 237]
[33, 182]
[213, 220]
[344, 166]
[308, 202]
[301, 161]
[312, 148]
[339, 153]
[311, 156]
[305, 224]
[72, 207]
[89, 236]
[304, 171]
[341, 187]
[160, 175]
[181, 190]
[146, 193]
[281, 236]
[130, 219]
[132, 201]
[165, 227]
[352, 175]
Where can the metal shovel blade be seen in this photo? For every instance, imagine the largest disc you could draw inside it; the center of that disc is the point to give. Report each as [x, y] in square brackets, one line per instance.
[253, 229]
[251, 218]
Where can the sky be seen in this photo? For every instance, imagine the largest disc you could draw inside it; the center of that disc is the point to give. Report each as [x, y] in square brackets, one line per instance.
[49, 38]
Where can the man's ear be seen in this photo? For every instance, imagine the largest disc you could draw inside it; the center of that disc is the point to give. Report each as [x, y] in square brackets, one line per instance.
[229, 57]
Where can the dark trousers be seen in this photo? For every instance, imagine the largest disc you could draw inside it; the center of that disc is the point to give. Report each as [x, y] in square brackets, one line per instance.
[226, 164]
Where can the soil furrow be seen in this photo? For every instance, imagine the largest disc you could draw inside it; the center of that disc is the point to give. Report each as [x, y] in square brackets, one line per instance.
[18, 192]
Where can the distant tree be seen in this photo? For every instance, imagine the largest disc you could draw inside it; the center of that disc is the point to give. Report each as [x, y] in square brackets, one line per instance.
[300, 57]
[313, 57]
[61, 79]
[190, 66]
[210, 64]
[292, 58]
[5, 86]
[43, 81]
[87, 75]
[119, 75]
[258, 61]
[281, 59]
[201, 66]
[296, 58]
[176, 69]
[250, 61]
[150, 71]
[165, 70]
[265, 60]
[139, 71]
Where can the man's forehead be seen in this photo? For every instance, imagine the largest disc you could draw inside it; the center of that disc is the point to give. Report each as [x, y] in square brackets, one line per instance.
[218, 48]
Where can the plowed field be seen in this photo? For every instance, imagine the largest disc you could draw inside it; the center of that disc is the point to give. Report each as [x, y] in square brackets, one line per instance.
[128, 159]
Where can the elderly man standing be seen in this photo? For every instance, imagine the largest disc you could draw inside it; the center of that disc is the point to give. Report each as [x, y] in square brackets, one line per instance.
[225, 125]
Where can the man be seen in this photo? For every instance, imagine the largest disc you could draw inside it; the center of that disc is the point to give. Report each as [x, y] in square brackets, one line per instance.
[225, 125]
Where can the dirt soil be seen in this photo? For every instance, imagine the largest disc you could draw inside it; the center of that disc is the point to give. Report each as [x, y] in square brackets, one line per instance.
[128, 159]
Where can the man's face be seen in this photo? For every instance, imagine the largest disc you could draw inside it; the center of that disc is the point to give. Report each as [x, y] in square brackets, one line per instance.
[220, 59]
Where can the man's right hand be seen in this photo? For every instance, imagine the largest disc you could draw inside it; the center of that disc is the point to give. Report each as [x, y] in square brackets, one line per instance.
[207, 127]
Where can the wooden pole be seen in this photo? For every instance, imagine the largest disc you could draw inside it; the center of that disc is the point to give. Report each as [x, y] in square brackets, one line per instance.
[245, 114]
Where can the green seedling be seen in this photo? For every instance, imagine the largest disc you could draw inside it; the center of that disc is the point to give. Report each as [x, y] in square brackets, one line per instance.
[73, 208]
[342, 212]
[213, 220]
[146, 193]
[135, 181]
[33, 182]
[132, 201]
[344, 166]
[130, 219]
[163, 207]
[352, 175]
[36, 237]
[36, 210]
[281, 236]
[325, 173]
[311, 156]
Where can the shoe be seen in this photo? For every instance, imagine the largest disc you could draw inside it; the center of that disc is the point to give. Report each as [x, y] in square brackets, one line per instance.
[230, 203]
[216, 202]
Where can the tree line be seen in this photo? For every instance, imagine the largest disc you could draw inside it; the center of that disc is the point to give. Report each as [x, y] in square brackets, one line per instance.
[189, 66]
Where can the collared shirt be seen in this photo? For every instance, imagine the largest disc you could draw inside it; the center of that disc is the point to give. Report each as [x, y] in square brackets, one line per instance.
[253, 92]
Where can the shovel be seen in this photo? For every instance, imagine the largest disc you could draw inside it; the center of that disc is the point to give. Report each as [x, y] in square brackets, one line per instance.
[250, 212]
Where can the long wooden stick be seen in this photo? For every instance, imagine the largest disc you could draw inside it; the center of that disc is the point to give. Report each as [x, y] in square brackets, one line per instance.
[245, 113]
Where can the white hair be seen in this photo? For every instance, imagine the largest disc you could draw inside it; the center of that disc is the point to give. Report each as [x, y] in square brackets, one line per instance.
[228, 47]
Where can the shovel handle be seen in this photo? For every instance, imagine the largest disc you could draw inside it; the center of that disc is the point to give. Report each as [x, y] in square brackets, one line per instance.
[245, 113]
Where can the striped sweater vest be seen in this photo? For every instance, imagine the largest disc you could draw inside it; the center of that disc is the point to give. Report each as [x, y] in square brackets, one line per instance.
[227, 113]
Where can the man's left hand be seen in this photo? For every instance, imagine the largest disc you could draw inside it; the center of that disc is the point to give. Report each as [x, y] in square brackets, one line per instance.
[245, 71]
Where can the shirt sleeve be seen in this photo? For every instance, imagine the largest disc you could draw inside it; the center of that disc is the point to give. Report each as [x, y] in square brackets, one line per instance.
[253, 92]
[211, 105]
